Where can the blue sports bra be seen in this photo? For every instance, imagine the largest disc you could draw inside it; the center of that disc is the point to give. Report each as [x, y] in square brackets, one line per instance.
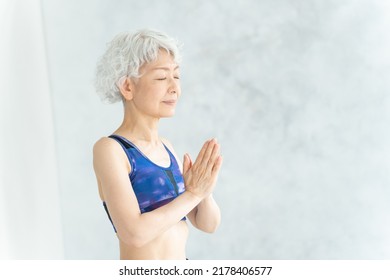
[153, 185]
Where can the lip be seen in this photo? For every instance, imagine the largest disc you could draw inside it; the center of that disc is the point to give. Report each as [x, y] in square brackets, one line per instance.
[170, 102]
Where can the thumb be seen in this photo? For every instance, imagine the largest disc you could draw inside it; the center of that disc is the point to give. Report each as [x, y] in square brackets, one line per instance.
[186, 163]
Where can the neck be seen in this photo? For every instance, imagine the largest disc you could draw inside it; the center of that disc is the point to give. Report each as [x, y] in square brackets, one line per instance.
[139, 127]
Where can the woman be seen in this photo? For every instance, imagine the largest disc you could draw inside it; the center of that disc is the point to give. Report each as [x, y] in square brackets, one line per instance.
[146, 193]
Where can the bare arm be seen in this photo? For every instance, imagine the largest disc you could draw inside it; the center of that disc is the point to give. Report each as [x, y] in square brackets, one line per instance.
[112, 169]
[206, 216]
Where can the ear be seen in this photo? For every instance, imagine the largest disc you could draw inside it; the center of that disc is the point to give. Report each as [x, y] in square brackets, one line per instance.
[126, 87]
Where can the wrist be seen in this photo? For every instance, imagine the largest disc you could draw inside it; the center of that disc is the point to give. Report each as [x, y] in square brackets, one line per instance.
[207, 199]
[194, 196]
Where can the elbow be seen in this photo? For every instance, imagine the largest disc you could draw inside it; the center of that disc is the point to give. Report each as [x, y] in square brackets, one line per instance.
[211, 225]
[211, 229]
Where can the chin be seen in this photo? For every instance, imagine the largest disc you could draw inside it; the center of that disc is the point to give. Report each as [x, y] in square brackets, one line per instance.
[167, 114]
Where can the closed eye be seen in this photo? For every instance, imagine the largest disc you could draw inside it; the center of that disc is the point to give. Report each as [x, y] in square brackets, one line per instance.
[162, 79]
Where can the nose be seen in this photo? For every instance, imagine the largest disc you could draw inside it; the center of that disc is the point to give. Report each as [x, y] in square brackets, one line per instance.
[174, 86]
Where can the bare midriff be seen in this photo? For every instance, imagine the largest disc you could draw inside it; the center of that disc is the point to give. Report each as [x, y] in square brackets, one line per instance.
[169, 246]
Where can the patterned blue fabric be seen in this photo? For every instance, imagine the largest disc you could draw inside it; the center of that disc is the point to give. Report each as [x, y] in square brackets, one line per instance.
[153, 185]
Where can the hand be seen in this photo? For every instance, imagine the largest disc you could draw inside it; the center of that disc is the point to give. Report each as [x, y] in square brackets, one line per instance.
[201, 176]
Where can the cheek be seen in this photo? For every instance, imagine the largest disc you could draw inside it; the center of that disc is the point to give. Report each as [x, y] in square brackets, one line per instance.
[149, 96]
[155, 92]
[146, 90]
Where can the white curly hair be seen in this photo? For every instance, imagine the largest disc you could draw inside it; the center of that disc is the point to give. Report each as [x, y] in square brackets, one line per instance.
[125, 54]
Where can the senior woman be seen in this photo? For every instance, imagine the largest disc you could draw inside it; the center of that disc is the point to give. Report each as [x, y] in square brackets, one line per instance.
[147, 193]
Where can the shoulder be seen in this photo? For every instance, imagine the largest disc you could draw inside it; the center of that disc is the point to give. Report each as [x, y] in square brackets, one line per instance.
[169, 145]
[105, 145]
[108, 151]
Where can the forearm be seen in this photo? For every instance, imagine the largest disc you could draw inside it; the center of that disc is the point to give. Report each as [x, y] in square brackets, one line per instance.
[152, 224]
[207, 215]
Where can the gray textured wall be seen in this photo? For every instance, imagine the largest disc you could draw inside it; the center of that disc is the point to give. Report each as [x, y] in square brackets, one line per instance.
[295, 91]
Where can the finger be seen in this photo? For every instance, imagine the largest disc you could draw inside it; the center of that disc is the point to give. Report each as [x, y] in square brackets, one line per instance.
[189, 158]
[186, 164]
[200, 156]
[217, 166]
[208, 152]
[189, 161]
[214, 155]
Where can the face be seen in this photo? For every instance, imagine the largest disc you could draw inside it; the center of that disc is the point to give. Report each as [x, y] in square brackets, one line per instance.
[157, 91]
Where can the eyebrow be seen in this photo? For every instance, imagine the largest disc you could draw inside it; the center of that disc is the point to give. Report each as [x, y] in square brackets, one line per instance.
[164, 68]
